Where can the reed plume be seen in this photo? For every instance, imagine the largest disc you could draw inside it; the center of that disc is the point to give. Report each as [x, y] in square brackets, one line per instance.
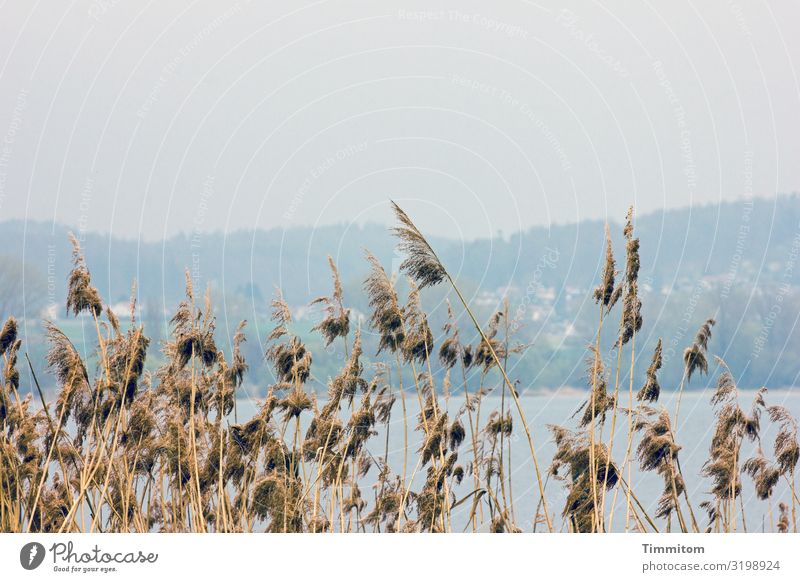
[694, 359]
[694, 356]
[651, 389]
[81, 295]
[574, 453]
[424, 267]
[8, 335]
[421, 262]
[606, 294]
[336, 322]
[732, 427]
[387, 315]
[657, 451]
[599, 400]
[783, 522]
[418, 341]
[124, 446]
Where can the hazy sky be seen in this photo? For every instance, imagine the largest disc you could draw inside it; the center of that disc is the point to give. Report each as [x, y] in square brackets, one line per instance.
[151, 118]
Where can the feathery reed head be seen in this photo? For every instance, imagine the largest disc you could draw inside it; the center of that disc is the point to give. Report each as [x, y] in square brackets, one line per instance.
[336, 322]
[578, 455]
[599, 400]
[81, 294]
[451, 351]
[627, 231]
[632, 263]
[281, 315]
[786, 448]
[421, 263]
[631, 249]
[488, 348]
[291, 361]
[704, 334]
[10, 371]
[294, 404]
[349, 381]
[8, 335]
[652, 389]
[765, 475]
[138, 456]
[604, 293]
[631, 315]
[387, 315]
[235, 373]
[694, 360]
[66, 363]
[418, 342]
[694, 357]
[657, 446]
[783, 519]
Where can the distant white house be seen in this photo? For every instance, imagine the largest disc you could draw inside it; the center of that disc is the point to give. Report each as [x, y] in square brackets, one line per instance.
[122, 310]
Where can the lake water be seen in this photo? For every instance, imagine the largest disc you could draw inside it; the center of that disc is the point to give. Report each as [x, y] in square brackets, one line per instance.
[694, 434]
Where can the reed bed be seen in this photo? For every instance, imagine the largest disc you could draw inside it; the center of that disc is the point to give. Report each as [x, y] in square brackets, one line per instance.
[120, 449]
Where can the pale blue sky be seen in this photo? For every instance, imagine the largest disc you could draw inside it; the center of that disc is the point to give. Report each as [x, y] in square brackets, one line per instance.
[147, 119]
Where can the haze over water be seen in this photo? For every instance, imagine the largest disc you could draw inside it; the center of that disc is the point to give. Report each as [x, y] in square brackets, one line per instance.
[694, 435]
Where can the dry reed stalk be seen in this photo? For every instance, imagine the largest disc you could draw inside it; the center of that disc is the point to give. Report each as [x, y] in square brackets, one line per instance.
[606, 296]
[694, 358]
[425, 267]
[451, 353]
[629, 324]
[592, 431]
[185, 471]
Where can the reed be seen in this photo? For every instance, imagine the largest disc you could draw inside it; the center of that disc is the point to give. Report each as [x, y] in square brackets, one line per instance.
[119, 447]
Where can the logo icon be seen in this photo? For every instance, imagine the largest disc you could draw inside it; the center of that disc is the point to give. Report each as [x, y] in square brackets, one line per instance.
[31, 555]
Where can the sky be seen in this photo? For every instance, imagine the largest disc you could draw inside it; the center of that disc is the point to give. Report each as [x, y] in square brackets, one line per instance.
[147, 119]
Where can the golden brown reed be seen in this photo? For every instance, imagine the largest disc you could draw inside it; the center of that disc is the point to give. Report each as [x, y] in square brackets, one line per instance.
[120, 448]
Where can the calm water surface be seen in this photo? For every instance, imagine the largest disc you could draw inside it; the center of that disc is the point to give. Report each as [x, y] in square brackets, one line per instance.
[694, 434]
